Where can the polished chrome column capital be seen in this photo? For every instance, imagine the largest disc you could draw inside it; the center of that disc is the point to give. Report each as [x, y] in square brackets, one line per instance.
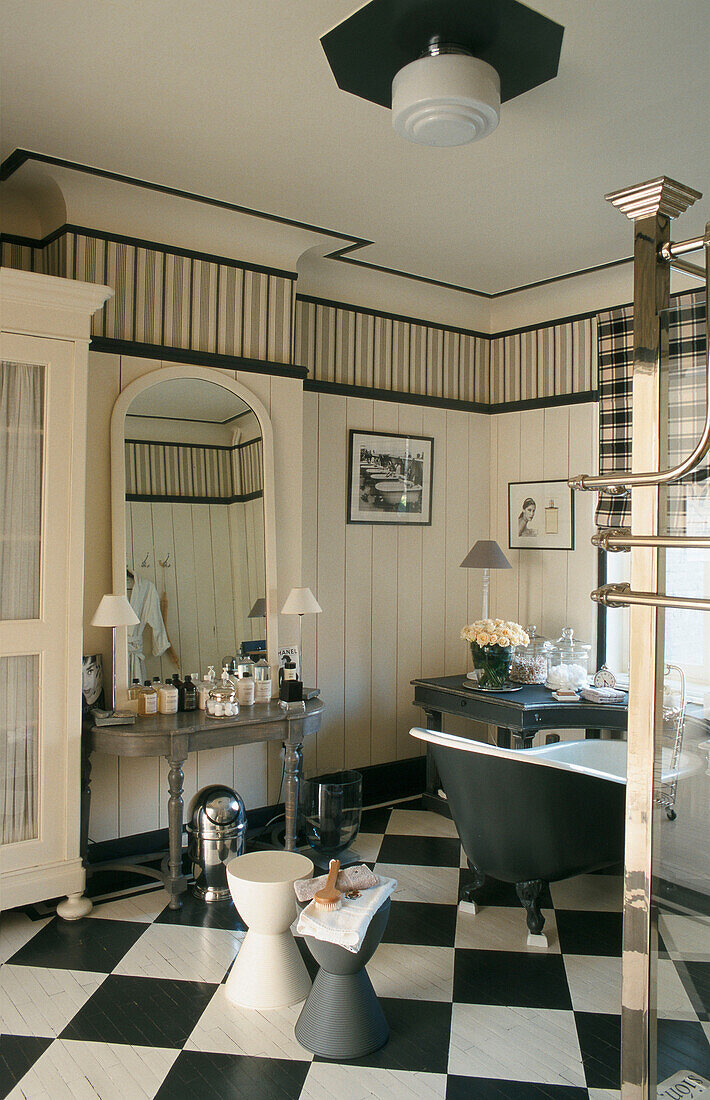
[660, 196]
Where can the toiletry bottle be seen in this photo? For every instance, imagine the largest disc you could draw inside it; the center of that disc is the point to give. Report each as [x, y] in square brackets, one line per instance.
[179, 685]
[245, 690]
[167, 698]
[552, 514]
[189, 694]
[262, 682]
[148, 701]
[133, 695]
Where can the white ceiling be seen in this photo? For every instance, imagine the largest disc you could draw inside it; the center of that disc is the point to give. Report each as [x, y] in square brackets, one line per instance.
[234, 99]
[191, 399]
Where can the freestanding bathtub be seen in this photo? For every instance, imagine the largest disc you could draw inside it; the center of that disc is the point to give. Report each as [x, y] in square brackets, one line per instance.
[535, 816]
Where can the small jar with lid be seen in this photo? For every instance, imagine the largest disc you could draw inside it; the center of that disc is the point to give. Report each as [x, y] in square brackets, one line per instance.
[245, 667]
[222, 701]
[531, 664]
[262, 681]
[569, 666]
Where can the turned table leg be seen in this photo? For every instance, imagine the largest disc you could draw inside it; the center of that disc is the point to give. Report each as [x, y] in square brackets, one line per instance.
[293, 769]
[176, 883]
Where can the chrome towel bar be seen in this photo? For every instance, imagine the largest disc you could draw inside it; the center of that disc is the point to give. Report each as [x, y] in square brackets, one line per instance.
[620, 539]
[620, 595]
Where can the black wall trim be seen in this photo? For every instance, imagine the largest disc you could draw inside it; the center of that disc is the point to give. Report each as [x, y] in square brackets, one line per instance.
[20, 156]
[194, 446]
[399, 396]
[403, 398]
[154, 246]
[149, 498]
[196, 358]
[380, 783]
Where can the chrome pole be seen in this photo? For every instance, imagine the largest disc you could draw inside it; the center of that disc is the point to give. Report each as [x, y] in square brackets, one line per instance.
[622, 595]
[621, 539]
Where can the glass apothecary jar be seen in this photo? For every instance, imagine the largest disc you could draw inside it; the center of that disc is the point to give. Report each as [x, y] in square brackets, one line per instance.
[532, 664]
[569, 665]
[222, 699]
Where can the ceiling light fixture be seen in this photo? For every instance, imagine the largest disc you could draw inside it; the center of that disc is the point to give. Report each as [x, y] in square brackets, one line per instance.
[446, 97]
[480, 53]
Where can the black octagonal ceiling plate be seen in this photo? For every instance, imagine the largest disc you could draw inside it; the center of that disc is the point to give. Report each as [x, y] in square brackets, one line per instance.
[366, 50]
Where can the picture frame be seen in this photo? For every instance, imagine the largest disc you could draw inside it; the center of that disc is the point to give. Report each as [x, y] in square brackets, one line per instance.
[540, 515]
[390, 478]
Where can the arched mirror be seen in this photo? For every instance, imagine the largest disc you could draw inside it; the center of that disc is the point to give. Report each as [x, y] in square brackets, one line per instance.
[193, 523]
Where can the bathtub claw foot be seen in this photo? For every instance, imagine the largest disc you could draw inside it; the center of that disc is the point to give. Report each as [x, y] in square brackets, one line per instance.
[467, 894]
[528, 895]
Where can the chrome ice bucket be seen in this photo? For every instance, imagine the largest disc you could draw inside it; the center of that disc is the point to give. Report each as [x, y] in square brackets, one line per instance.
[216, 833]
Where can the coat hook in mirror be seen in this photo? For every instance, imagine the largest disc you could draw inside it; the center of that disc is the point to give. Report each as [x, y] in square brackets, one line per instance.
[144, 563]
[165, 564]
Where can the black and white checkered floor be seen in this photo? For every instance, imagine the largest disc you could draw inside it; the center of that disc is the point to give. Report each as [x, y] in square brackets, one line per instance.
[130, 1002]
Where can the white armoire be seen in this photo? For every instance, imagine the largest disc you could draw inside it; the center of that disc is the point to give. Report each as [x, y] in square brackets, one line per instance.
[44, 343]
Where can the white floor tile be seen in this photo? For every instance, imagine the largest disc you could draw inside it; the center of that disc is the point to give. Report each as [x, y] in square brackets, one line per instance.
[140, 907]
[503, 928]
[224, 1028]
[366, 846]
[595, 986]
[16, 929]
[433, 884]
[415, 973]
[326, 1081]
[590, 892]
[420, 823]
[35, 1000]
[686, 936]
[604, 1094]
[516, 1044]
[187, 953]
[71, 1070]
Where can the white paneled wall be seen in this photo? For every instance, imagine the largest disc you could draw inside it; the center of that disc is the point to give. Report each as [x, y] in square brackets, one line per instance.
[394, 599]
[549, 588]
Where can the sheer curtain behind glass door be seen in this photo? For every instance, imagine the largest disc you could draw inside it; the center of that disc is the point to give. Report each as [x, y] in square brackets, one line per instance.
[21, 431]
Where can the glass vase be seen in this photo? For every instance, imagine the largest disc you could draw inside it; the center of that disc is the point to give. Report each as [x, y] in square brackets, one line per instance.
[492, 663]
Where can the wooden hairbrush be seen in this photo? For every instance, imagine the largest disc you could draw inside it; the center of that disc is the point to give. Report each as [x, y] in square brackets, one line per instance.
[329, 897]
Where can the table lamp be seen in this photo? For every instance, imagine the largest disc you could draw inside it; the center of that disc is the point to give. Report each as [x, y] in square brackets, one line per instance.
[258, 611]
[485, 554]
[114, 611]
[301, 601]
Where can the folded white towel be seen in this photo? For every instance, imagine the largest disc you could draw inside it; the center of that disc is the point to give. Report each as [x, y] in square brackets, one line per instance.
[346, 926]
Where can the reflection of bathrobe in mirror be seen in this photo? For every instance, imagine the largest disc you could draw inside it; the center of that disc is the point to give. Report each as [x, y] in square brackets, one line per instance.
[145, 601]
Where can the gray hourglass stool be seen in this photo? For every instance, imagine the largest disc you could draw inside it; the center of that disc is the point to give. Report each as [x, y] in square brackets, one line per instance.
[342, 1017]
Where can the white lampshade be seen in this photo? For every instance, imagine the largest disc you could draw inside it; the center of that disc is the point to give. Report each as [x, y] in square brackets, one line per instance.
[114, 611]
[301, 601]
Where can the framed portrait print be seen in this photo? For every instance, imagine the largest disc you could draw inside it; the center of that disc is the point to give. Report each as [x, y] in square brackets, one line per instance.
[390, 478]
[540, 515]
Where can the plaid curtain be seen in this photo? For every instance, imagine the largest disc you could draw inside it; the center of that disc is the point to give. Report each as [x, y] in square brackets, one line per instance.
[686, 400]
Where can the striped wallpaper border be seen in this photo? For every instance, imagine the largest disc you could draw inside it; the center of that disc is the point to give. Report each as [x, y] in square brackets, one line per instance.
[193, 472]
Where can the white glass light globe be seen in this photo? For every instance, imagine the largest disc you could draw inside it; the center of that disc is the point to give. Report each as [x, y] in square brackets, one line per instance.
[446, 99]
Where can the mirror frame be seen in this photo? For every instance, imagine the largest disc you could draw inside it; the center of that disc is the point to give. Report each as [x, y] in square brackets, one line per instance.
[118, 502]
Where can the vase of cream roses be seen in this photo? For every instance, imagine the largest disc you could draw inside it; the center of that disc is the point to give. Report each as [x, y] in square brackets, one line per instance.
[493, 643]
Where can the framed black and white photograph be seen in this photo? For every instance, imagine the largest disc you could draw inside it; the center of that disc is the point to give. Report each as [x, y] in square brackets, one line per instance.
[540, 515]
[390, 478]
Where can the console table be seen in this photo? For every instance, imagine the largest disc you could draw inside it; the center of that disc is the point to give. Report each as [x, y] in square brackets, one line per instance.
[175, 736]
[517, 713]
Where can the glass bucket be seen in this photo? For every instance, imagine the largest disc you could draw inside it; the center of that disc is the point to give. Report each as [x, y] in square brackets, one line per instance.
[331, 807]
[492, 664]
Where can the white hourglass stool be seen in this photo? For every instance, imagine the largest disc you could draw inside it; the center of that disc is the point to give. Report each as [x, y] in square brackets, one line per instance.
[269, 971]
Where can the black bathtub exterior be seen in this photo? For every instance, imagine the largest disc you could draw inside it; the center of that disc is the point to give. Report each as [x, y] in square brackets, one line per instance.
[521, 821]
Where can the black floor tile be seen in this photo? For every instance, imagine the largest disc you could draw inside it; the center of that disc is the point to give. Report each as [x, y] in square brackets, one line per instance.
[419, 1037]
[374, 821]
[494, 892]
[216, 914]
[682, 1045]
[423, 851]
[699, 975]
[510, 978]
[311, 965]
[18, 1053]
[225, 1075]
[418, 922]
[86, 944]
[156, 1012]
[600, 1043]
[589, 933]
[108, 880]
[483, 1088]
